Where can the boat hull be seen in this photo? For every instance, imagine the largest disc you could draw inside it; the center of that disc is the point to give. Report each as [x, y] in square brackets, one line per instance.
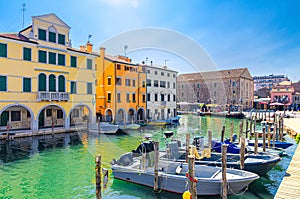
[168, 181]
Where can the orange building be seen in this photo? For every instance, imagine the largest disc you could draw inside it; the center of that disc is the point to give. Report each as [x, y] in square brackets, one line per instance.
[120, 89]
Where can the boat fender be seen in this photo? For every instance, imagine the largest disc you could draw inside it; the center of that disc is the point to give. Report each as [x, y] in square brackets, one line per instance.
[178, 169]
[197, 154]
[186, 195]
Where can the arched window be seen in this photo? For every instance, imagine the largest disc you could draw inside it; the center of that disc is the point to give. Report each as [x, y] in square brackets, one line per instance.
[42, 82]
[52, 83]
[61, 84]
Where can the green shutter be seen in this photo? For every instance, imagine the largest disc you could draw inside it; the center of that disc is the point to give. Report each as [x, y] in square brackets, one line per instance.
[89, 63]
[52, 83]
[42, 56]
[61, 60]
[52, 37]
[3, 83]
[61, 84]
[4, 118]
[42, 34]
[27, 54]
[26, 84]
[3, 50]
[61, 39]
[73, 87]
[52, 58]
[89, 88]
[42, 82]
[73, 61]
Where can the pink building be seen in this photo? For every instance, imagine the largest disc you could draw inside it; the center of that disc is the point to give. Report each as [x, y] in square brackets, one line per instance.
[282, 93]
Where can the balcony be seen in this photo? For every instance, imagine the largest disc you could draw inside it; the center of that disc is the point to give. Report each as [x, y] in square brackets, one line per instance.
[53, 96]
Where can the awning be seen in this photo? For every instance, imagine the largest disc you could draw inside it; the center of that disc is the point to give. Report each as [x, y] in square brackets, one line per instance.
[276, 104]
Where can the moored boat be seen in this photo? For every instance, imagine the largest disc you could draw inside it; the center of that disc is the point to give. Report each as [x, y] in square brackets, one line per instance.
[169, 179]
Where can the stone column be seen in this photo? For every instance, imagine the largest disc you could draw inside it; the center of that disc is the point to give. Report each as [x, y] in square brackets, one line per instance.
[35, 126]
[67, 123]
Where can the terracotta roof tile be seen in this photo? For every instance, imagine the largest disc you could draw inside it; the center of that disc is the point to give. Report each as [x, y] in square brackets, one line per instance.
[16, 36]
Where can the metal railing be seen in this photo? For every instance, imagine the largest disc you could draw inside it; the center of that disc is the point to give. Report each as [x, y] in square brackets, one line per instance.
[53, 96]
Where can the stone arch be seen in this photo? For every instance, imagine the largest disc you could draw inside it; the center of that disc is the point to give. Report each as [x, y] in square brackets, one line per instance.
[26, 124]
[121, 115]
[80, 116]
[108, 117]
[140, 116]
[131, 115]
[46, 119]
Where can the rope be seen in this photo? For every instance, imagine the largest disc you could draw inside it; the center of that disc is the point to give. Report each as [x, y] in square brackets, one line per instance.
[238, 194]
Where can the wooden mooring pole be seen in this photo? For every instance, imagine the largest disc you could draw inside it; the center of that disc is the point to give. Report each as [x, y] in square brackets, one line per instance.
[269, 136]
[191, 173]
[7, 130]
[231, 131]
[256, 138]
[156, 151]
[264, 139]
[247, 126]
[224, 179]
[274, 134]
[240, 130]
[209, 139]
[223, 134]
[187, 144]
[242, 153]
[98, 177]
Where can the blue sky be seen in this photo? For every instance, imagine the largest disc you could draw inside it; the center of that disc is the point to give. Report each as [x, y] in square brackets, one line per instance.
[261, 35]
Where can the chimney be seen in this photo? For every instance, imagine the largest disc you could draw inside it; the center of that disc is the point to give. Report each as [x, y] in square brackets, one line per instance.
[89, 47]
[82, 48]
[102, 52]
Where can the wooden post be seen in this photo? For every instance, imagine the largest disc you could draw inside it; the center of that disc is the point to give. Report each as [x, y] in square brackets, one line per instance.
[242, 153]
[274, 134]
[231, 131]
[187, 144]
[251, 125]
[264, 139]
[209, 139]
[7, 130]
[98, 177]
[52, 126]
[247, 125]
[156, 151]
[256, 139]
[240, 130]
[222, 134]
[191, 166]
[269, 136]
[269, 115]
[280, 128]
[224, 180]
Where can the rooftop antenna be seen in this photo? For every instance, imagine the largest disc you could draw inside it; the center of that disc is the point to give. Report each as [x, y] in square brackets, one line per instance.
[23, 10]
[89, 38]
[166, 62]
[125, 49]
[146, 60]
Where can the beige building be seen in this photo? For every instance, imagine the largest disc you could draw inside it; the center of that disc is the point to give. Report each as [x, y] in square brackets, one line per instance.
[234, 87]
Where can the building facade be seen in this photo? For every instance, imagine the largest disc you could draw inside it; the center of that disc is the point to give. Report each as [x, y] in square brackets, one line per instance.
[44, 82]
[120, 90]
[282, 93]
[226, 87]
[161, 92]
[267, 81]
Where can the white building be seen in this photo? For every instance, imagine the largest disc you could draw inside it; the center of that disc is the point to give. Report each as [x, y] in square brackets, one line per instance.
[161, 92]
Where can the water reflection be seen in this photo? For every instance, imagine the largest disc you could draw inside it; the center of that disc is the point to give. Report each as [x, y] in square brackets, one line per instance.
[22, 148]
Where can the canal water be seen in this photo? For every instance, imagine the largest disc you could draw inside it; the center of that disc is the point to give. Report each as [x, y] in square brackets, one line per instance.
[62, 166]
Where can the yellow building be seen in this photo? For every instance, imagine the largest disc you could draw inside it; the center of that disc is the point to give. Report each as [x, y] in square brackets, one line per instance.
[120, 90]
[44, 82]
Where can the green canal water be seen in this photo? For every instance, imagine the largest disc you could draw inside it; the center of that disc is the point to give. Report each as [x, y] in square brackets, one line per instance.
[63, 166]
